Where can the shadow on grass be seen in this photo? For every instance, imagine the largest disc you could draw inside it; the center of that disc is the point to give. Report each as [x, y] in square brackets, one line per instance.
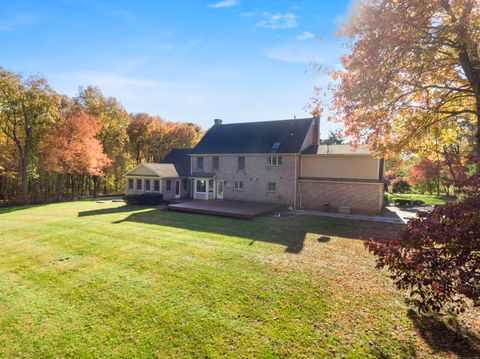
[6, 210]
[103, 211]
[446, 335]
[289, 233]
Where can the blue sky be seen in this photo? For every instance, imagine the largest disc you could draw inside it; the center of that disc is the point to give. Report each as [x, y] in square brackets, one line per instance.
[192, 61]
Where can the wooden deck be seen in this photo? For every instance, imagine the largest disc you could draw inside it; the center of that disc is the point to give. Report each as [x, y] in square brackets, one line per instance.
[238, 209]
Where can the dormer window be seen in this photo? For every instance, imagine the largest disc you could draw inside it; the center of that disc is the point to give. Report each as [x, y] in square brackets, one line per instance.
[274, 161]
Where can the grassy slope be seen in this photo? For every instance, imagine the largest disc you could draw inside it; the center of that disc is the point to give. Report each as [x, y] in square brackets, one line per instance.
[88, 279]
[427, 198]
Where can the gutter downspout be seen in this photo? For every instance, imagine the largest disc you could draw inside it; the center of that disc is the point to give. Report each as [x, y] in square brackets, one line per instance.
[295, 188]
[300, 192]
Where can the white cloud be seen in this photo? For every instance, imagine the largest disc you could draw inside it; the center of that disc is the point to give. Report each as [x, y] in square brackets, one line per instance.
[288, 54]
[322, 53]
[306, 35]
[224, 4]
[248, 14]
[278, 21]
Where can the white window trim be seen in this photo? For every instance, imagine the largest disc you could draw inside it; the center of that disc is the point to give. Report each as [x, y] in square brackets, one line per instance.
[237, 188]
[271, 163]
[159, 185]
[206, 185]
[145, 185]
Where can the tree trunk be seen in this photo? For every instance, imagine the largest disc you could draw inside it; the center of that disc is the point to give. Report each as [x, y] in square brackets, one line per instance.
[60, 186]
[24, 165]
[72, 185]
[477, 134]
[96, 184]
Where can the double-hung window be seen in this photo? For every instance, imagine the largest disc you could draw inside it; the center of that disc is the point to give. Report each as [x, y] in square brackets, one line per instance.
[272, 187]
[130, 183]
[238, 186]
[147, 185]
[274, 160]
[215, 163]
[241, 163]
[169, 185]
[156, 185]
[139, 184]
[200, 163]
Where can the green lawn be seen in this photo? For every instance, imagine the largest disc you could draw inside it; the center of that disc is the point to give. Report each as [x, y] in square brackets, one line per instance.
[87, 279]
[427, 198]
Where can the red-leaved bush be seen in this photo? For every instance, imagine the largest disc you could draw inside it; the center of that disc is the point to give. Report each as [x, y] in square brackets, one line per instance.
[437, 257]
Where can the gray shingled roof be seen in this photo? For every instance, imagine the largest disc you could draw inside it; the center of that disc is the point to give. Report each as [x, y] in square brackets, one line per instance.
[344, 149]
[255, 137]
[160, 169]
[181, 159]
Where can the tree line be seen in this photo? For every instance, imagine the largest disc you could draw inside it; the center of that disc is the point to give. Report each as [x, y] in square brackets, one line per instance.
[54, 147]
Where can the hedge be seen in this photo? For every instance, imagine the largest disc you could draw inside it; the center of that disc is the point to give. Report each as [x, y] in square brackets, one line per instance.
[148, 199]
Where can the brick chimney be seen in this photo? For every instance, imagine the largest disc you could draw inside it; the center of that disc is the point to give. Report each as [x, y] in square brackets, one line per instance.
[217, 121]
[316, 131]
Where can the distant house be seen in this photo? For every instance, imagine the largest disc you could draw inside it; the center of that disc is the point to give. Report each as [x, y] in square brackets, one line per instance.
[272, 162]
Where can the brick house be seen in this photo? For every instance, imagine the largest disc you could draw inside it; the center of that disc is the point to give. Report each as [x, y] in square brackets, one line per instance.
[271, 162]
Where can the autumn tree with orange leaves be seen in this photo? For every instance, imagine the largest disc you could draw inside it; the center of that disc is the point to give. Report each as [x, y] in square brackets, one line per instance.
[71, 148]
[52, 145]
[414, 68]
[413, 74]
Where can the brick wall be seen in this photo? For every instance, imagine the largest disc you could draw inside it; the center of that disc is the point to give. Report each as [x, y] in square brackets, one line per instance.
[167, 195]
[361, 197]
[255, 177]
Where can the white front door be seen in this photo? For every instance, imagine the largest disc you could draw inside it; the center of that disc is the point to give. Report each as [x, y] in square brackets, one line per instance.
[177, 189]
[220, 189]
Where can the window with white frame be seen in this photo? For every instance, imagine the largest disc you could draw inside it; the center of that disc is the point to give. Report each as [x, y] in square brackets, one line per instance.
[238, 185]
[271, 187]
[274, 160]
[169, 185]
[210, 186]
[139, 184]
[201, 186]
[147, 185]
[130, 183]
[156, 185]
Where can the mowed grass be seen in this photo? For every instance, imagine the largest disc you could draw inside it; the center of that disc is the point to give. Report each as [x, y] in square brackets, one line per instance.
[87, 279]
[428, 199]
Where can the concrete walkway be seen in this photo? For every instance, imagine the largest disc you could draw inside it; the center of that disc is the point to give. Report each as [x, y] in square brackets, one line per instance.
[391, 214]
[361, 217]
